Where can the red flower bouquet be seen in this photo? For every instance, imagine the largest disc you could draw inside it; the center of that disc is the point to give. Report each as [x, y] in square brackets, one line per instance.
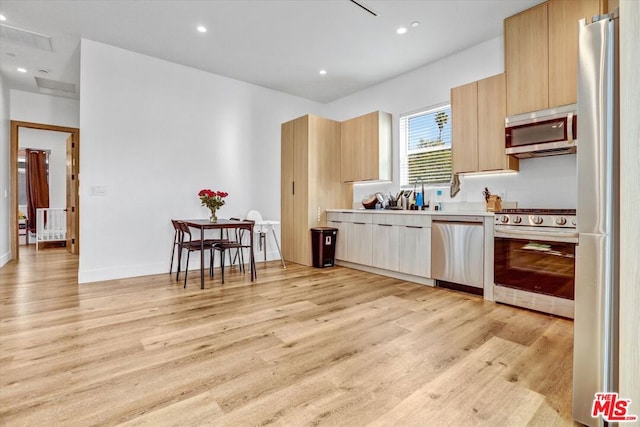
[213, 200]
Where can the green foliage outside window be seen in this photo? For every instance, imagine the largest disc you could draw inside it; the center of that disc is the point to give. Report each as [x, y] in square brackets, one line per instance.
[427, 139]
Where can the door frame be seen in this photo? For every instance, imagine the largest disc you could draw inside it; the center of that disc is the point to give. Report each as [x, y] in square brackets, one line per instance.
[15, 128]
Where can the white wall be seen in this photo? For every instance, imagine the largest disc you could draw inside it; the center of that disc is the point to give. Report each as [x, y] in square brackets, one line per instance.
[543, 183]
[50, 110]
[56, 143]
[5, 176]
[153, 134]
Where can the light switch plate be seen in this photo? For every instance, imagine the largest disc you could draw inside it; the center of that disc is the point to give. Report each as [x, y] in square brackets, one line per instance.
[98, 190]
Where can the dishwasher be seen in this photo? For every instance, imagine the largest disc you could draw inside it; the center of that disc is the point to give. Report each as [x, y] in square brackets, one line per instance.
[457, 252]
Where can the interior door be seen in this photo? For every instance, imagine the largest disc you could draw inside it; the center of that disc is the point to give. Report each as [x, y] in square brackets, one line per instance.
[72, 195]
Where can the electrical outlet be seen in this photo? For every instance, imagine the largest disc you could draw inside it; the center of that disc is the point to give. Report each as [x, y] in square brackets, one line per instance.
[318, 214]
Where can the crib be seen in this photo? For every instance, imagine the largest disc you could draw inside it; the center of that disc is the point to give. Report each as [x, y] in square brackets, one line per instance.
[51, 226]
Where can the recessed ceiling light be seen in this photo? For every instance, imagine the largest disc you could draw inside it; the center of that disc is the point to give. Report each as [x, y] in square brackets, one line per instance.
[22, 70]
[323, 72]
[415, 24]
[3, 18]
[401, 30]
[202, 28]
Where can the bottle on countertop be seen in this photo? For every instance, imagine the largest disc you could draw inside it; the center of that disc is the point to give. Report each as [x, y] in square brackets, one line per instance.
[438, 202]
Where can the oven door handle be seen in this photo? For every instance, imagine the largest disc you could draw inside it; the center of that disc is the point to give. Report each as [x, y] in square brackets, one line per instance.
[544, 236]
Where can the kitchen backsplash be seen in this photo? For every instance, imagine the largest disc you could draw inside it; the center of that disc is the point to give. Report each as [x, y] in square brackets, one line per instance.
[548, 182]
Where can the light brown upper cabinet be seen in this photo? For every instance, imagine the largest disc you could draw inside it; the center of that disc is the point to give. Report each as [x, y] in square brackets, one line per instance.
[310, 182]
[464, 128]
[526, 48]
[366, 148]
[541, 54]
[563, 47]
[477, 119]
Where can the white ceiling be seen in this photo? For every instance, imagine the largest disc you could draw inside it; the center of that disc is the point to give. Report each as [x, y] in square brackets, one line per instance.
[279, 44]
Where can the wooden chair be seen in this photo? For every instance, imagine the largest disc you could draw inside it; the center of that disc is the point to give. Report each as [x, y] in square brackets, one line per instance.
[177, 240]
[239, 237]
[186, 242]
[229, 245]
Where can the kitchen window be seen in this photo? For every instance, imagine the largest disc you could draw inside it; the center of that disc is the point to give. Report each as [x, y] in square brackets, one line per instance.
[425, 146]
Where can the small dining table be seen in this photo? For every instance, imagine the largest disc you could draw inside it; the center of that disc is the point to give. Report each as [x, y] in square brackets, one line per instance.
[220, 224]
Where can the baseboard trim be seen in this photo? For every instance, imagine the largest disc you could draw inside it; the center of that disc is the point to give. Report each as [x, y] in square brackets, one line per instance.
[121, 272]
[5, 258]
[387, 273]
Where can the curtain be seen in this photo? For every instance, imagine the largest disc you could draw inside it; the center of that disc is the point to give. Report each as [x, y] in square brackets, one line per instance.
[37, 185]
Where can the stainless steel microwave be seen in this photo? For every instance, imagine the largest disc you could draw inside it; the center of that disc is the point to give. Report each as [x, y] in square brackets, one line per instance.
[542, 133]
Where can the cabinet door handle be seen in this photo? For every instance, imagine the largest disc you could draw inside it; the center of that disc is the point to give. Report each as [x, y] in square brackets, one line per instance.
[359, 223]
[412, 226]
[336, 222]
[293, 187]
[385, 225]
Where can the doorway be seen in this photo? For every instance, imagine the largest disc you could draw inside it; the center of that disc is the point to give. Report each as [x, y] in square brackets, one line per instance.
[71, 152]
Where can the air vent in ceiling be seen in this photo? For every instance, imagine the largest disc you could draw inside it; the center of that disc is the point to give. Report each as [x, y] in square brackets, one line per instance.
[54, 87]
[25, 37]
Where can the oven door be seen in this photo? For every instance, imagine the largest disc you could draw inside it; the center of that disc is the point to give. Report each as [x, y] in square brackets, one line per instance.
[533, 262]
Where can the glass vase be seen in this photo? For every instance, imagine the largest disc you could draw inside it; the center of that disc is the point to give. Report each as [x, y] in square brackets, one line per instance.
[213, 217]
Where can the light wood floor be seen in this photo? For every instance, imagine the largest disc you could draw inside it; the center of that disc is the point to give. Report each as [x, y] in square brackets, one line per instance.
[300, 346]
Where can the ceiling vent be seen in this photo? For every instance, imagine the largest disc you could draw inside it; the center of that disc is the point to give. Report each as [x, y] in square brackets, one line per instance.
[25, 37]
[54, 87]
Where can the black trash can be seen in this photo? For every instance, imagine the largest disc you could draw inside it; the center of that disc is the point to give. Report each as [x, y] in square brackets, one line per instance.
[323, 246]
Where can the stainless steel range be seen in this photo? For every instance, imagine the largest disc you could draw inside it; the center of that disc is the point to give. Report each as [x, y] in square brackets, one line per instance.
[534, 259]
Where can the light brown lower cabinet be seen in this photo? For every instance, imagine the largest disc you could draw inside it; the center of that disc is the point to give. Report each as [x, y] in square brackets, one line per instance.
[414, 250]
[387, 242]
[359, 242]
[392, 242]
[354, 239]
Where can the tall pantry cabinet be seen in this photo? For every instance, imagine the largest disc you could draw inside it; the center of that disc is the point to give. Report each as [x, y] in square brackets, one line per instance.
[310, 182]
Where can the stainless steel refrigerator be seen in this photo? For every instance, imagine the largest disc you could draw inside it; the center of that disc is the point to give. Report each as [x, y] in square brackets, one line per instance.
[596, 287]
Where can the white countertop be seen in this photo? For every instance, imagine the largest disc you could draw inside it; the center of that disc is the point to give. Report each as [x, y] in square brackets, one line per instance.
[408, 212]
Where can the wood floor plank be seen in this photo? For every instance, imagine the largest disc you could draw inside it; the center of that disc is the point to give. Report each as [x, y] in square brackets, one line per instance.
[299, 346]
[201, 409]
[459, 396]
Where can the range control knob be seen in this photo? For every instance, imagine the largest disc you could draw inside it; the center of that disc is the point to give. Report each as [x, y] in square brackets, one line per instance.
[504, 219]
[573, 222]
[537, 220]
[561, 221]
[517, 220]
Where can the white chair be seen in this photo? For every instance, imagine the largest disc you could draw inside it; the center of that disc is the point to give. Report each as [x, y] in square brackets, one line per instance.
[261, 228]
